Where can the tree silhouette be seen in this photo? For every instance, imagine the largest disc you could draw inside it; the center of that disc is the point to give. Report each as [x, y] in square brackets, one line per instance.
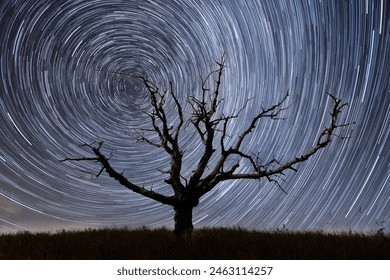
[207, 124]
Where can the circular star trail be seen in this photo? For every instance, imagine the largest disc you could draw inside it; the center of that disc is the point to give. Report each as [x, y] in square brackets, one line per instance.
[58, 91]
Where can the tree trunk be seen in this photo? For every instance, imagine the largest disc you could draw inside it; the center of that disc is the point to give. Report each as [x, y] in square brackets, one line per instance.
[183, 222]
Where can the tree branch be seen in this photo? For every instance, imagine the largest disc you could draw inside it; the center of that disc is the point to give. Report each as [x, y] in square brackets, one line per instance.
[169, 200]
[202, 115]
[169, 140]
[273, 168]
[271, 112]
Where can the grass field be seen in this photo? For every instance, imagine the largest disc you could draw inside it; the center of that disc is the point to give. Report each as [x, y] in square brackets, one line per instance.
[208, 243]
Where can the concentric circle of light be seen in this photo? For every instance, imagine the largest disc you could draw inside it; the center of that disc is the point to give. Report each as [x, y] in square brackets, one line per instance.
[58, 90]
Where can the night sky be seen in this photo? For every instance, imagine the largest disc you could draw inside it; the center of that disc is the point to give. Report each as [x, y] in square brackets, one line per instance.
[52, 99]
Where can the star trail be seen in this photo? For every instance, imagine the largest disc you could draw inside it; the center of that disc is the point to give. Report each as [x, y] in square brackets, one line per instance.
[57, 91]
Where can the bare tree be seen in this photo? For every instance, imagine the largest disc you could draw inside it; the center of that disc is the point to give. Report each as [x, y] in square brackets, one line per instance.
[207, 123]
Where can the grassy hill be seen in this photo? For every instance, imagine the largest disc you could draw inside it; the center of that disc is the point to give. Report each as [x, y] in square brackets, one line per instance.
[213, 243]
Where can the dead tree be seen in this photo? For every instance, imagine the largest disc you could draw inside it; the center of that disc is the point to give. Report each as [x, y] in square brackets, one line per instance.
[208, 123]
